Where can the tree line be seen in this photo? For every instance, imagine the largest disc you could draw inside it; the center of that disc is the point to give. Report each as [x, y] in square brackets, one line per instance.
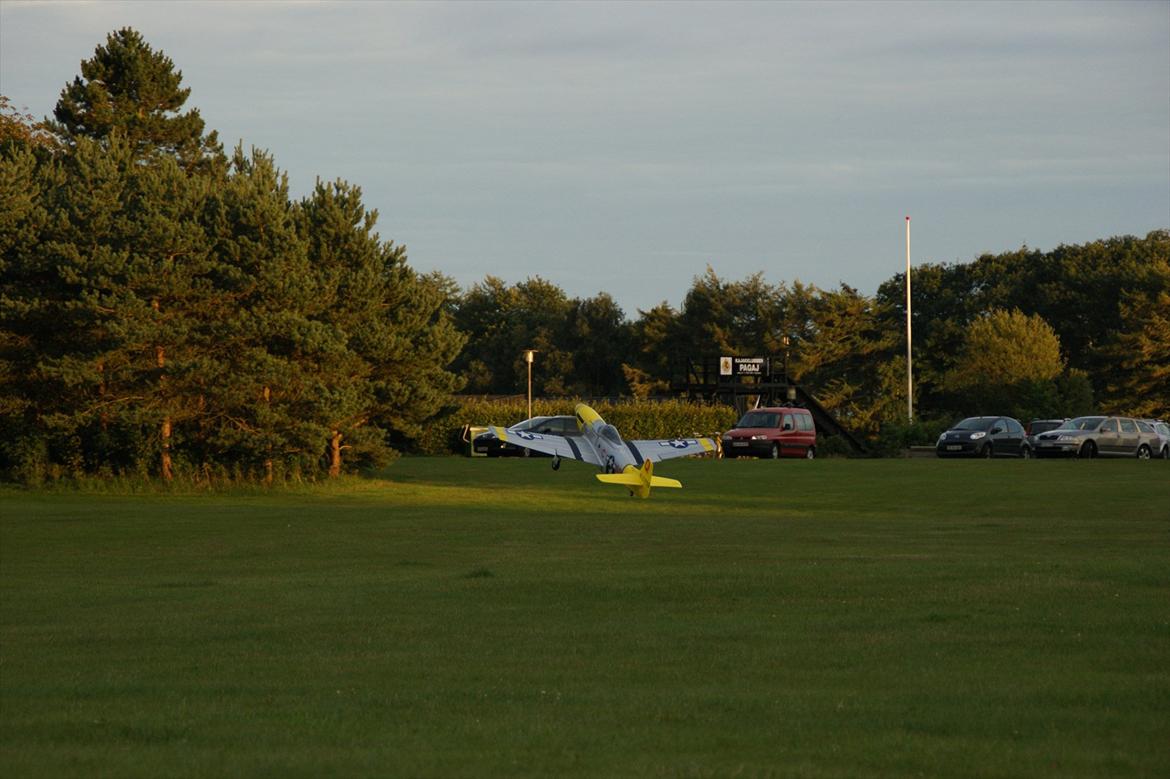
[167, 307]
[1027, 333]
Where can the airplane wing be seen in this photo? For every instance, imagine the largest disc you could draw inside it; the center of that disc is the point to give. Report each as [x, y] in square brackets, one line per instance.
[557, 445]
[656, 451]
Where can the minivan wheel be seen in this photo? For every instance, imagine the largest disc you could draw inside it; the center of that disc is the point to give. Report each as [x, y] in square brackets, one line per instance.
[1088, 451]
[1143, 452]
[810, 453]
[775, 453]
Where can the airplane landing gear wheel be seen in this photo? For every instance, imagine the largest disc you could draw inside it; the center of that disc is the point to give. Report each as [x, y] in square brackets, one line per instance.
[556, 463]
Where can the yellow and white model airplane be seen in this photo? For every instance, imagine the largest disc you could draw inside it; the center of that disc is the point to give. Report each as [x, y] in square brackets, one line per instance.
[628, 463]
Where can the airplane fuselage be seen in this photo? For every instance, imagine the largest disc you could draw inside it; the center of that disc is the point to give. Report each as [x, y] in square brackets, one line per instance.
[614, 453]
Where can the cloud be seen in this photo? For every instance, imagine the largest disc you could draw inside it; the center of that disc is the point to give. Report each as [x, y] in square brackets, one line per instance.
[506, 136]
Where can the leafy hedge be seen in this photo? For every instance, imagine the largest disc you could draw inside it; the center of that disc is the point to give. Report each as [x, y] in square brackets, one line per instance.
[634, 419]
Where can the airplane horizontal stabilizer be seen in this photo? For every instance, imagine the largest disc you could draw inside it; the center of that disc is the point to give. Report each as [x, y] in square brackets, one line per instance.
[639, 480]
[632, 479]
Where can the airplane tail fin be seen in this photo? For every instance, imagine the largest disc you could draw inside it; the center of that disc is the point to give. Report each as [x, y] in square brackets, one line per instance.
[639, 480]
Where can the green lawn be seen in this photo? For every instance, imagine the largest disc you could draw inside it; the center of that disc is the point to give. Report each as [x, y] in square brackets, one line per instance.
[457, 617]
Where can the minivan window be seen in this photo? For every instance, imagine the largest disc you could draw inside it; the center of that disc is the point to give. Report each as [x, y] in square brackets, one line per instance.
[788, 423]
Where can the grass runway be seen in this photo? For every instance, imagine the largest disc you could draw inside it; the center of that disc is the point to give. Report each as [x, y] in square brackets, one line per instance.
[455, 617]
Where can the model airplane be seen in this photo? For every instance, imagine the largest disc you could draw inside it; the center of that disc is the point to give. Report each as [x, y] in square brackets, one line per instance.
[628, 463]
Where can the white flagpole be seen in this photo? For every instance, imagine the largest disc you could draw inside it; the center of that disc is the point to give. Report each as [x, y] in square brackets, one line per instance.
[909, 353]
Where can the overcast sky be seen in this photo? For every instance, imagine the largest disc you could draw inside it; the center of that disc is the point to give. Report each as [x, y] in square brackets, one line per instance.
[624, 147]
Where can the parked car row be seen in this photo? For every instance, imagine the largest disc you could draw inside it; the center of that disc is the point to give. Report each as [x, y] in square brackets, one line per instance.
[790, 432]
[1089, 436]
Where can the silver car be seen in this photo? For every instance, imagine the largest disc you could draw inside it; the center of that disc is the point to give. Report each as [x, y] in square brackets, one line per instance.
[1162, 431]
[1097, 436]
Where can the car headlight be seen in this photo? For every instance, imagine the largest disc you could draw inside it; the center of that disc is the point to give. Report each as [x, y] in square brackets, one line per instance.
[977, 436]
[1067, 438]
[759, 438]
[942, 437]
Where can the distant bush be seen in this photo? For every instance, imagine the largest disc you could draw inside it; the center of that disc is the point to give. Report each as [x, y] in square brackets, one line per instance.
[634, 419]
[894, 438]
[833, 446]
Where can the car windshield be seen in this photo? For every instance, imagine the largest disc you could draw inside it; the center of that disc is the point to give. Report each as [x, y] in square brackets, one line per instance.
[529, 424]
[975, 423]
[1083, 423]
[759, 419]
[1044, 427]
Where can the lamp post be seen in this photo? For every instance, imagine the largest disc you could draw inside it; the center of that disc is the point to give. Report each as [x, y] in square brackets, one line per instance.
[528, 359]
[789, 390]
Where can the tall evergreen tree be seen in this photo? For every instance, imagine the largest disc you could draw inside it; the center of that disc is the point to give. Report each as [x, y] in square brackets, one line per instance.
[264, 391]
[129, 89]
[1139, 382]
[396, 336]
[24, 182]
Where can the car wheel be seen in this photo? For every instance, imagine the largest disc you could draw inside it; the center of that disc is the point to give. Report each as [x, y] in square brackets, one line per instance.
[986, 452]
[1088, 451]
[775, 454]
[1026, 453]
[1143, 452]
[810, 453]
[1166, 452]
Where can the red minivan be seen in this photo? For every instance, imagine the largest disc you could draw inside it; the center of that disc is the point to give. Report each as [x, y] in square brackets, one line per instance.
[772, 432]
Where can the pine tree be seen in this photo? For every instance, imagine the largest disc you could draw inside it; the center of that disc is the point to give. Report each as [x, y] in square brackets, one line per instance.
[390, 376]
[263, 394]
[24, 180]
[125, 284]
[1140, 355]
[128, 89]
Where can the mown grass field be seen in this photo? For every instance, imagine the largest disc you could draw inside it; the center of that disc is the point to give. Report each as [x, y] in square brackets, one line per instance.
[492, 618]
